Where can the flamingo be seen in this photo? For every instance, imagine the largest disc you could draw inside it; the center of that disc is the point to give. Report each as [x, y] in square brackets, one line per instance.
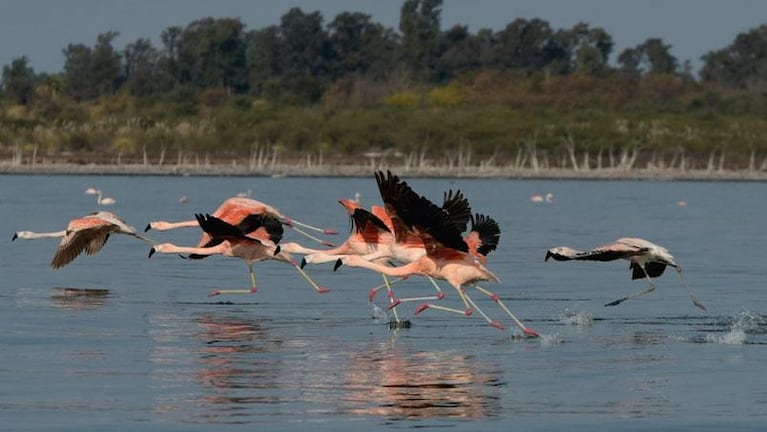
[100, 198]
[371, 232]
[408, 245]
[254, 239]
[647, 259]
[368, 233]
[372, 236]
[234, 210]
[447, 255]
[88, 233]
[549, 197]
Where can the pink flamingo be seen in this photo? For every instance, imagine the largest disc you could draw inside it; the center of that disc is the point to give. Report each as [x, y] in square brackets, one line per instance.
[234, 210]
[447, 255]
[254, 239]
[88, 233]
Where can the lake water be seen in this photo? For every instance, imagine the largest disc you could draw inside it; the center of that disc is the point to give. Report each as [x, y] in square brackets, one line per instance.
[148, 350]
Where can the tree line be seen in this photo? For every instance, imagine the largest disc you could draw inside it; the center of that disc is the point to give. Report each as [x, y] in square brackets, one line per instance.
[354, 80]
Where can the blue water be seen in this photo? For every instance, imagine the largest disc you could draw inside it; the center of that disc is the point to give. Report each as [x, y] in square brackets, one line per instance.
[148, 350]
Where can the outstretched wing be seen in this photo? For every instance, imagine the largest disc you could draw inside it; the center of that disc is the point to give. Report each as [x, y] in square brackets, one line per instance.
[75, 241]
[361, 219]
[262, 226]
[217, 228]
[610, 252]
[487, 236]
[457, 206]
[410, 211]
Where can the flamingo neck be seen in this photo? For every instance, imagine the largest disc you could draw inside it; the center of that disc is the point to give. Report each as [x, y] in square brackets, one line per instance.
[293, 247]
[399, 271]
[165, 226]
[29, 235]
[170, 248]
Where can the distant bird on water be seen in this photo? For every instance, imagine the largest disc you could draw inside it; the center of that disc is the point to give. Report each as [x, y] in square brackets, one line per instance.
[88, 233]
[100, 198]
[647, 259]
[549, 197]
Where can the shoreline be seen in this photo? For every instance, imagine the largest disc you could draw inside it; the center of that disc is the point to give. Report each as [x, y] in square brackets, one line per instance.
[302, 170]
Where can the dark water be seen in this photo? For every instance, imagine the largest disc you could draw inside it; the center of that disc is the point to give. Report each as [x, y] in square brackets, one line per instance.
[121, 341]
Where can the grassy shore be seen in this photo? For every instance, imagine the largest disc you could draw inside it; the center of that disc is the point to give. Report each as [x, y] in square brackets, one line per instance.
[335, 170]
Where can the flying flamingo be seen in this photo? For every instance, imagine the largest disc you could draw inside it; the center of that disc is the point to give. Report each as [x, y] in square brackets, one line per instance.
[448, 256]
[371, 232]
[254, 239]
[88, 233]
[368, 233]
[647, 260]
[372, 236]
[408, 245]
[234, 210]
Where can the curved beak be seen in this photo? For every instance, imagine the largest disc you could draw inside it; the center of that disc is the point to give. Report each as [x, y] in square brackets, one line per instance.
[303, 263]
[148, 227]
[15, 236]
[151, 252]
[338, 264]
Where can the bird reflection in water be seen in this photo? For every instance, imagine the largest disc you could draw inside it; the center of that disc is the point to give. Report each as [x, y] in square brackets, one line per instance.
[79, 298]
[242, 369]
[400, 383]
[230, 354]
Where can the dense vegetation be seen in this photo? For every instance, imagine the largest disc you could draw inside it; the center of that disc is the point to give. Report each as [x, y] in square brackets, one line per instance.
[352, 90]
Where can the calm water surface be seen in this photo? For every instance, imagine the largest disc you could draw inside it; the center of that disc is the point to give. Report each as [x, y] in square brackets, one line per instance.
[132, 343]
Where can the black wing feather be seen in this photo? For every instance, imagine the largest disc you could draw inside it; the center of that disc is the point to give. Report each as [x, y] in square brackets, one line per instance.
[361, 217]
[654, 269]
[217, 227]
[489, 232]
[271, 224]
[416, 211]
[458, 208]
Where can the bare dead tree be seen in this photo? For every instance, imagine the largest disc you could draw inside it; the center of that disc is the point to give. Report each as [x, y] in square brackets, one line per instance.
[569, 145]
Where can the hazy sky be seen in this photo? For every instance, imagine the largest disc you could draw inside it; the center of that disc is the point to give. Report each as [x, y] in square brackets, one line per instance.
[41, 29]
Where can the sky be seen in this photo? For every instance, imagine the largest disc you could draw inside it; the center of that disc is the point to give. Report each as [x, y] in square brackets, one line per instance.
[41, 29]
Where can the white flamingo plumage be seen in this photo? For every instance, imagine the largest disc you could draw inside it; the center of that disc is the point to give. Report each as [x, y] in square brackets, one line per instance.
[647, 260]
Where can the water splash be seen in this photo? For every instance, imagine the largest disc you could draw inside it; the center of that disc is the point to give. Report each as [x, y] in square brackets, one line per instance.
[575, 318]
[551, 339]
[379, 315]
[745, 323]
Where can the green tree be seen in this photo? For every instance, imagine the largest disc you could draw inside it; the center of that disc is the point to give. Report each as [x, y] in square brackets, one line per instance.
[306, 57]
[140, 66]
[420, 27]
[460, 51]
[211, 53]
[650, 57]
[523, 45]
[742, 64]
[78, 74]
[18, 81]
[166, 72]
[590, 49]
[360, 46]
[105, 64]
[263, 58]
